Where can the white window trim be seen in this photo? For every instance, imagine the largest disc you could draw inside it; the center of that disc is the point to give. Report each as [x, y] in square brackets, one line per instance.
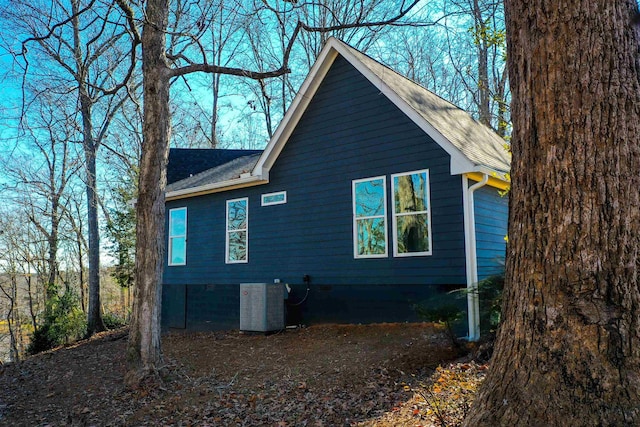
[394, 215]
[383, 216]
[176, 236]
[227, 232]
[279, 202]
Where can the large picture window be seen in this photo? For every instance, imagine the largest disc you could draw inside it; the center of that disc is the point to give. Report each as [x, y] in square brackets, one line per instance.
[178, 236]
[411, 214]
[237, 230]
[369, 217]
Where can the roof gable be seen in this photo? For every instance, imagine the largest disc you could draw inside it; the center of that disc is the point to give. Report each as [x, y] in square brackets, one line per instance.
[473, 147]
[478, 143]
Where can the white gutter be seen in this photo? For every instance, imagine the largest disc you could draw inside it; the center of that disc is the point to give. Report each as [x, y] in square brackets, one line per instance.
[473, 305]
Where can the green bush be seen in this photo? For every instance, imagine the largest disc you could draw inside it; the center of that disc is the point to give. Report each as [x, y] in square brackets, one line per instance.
[114, 320]
[490, 298]
[63, 321]
[40, 340]
[449, 314]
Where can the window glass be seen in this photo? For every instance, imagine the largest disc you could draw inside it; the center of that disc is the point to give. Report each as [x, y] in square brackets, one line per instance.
[237, 230]
[274, 198]
[411, 223]
[237, 246]
[369, 211]
[177, 236]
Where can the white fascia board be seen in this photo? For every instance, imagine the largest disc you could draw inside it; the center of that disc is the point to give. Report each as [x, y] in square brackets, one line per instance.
[296, 109]
[247, 181]
[460, 164]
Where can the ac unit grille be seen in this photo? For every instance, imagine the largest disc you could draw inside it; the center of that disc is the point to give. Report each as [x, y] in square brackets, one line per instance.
[261, 307]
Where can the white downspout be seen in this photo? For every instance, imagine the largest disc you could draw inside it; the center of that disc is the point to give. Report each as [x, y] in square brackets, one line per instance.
[473, 305]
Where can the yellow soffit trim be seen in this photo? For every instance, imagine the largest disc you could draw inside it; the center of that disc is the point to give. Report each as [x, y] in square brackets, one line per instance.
[493, 181]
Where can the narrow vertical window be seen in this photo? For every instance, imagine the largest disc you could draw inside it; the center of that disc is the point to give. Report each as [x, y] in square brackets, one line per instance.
[178, 236]
[237, 230]
[369, 217]
[411, 214]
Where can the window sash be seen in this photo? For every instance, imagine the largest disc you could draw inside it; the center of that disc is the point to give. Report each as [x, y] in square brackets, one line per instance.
[411, 218]
[237, 231]
[177, 253]
[369, 196]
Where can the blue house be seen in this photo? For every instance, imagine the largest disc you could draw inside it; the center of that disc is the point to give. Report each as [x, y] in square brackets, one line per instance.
[374, 194]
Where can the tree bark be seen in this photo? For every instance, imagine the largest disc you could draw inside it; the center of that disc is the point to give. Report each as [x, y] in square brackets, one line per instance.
[568, 352]
[144, 352]
[484, 95]
[90, 147]
[94, 316]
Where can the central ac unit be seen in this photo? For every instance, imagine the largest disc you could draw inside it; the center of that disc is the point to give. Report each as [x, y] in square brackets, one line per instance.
[262, 307]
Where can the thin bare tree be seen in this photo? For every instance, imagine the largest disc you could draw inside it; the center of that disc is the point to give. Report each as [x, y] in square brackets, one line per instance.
[86, 49]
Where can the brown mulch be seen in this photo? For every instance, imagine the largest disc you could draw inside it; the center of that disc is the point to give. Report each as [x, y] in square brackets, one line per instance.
[326, 375]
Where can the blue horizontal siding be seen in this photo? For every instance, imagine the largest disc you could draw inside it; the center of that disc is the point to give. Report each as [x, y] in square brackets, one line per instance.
[349, 131]
[491, 212]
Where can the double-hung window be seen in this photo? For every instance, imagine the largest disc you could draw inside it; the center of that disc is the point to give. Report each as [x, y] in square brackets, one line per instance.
[411, 214]
[237, 231]
[178, 236]
[369, 217]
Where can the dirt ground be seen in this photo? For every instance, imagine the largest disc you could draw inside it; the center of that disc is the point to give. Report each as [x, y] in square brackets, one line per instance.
[326, 375]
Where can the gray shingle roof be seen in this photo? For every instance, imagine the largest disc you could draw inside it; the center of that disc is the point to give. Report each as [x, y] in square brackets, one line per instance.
[224, 172]
[186, 162]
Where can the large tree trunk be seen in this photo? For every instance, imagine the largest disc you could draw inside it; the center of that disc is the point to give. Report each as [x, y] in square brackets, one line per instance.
[144, 352]
[568, 352]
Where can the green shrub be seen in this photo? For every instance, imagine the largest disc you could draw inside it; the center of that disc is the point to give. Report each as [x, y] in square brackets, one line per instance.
[114, 320]
[490, 298]
[63, 321]
[40, 340]
[447, 315]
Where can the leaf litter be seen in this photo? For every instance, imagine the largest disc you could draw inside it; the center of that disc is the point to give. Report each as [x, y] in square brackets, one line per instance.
[326, 375]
